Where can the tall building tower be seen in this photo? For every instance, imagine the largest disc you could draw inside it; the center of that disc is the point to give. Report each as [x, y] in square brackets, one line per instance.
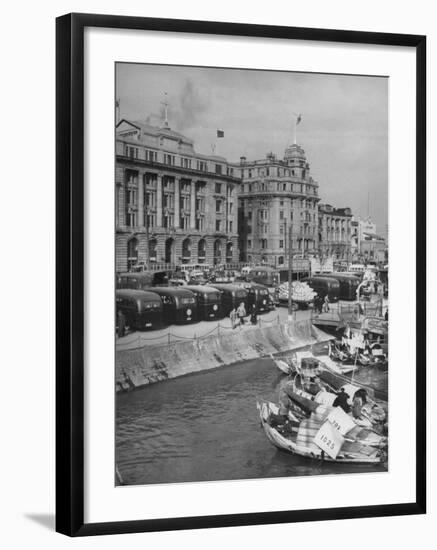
[276, 195]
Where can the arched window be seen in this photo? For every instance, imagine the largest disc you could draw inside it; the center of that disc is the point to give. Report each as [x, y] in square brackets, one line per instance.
[132, 253]
[217, 251]
[169, 251]
[229, 252]
[152, 250]
[201, 251]
[186, 251]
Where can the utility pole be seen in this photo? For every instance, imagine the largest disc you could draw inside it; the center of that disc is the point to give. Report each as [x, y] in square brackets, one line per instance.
[146, 214]
[290, 273]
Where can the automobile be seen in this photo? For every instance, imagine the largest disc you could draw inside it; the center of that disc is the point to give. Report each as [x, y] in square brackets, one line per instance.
[231, 296]
[324, 286]
[209, 304]
[257, 294]
[348, 284]
[141, 280]
[141, 309]
[179, 304]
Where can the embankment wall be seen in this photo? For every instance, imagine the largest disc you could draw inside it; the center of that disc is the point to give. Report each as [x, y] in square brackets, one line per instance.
[150, 364]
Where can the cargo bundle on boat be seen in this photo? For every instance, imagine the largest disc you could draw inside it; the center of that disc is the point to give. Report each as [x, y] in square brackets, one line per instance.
[328, 434]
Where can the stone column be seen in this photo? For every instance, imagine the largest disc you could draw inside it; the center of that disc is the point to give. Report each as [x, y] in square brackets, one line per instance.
[193, 205]
[159, 201]
[177, 207]
[140, 199]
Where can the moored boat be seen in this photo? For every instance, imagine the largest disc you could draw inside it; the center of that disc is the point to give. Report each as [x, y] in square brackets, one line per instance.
[323, 438]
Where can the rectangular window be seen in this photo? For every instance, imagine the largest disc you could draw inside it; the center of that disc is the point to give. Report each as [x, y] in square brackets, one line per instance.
[218, 168]
[218, 187]
[231, 207]
[249, 243]
[218, 225]
[249, 215]
[281, 244]
[218, 206]
[230, 227]
[281, 214]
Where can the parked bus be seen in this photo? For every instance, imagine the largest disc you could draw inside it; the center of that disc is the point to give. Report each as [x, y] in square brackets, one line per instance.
[179, 305]
[348, 284]
[208, 301]
[142, 280]
[141, 309]
[257, 294]
[324, 285]
[231, 297]
[264, 275]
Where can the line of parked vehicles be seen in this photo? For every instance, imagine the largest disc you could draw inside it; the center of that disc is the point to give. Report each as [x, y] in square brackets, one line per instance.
[147, 301]
[152, 299]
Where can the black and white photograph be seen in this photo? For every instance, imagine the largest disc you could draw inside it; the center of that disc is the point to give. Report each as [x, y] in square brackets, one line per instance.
[252, 261]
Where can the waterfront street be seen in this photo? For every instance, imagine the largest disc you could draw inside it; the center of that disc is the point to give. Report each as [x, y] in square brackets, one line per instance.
[175, 333]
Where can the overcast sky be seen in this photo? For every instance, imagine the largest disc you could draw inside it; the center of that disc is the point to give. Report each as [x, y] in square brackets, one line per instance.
[344, 127]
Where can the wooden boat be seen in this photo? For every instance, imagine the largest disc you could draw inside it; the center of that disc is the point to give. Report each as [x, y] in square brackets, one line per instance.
[340, 368]
[358, 446]
[335, 378]
[284, 365]
[371, 414]
[294, 362]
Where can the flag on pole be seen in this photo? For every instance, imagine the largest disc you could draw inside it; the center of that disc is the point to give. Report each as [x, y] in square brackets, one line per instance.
[117, 103]
[220, 134]
[299, 118]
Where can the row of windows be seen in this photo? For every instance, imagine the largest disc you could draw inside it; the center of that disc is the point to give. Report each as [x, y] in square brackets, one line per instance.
[273, 171]
[168, 222]
[168, 183]
[280, 186]
[152, 156]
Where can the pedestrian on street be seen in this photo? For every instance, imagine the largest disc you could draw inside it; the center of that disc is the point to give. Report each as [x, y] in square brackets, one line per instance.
[121, 322]
[241, 312]
[326, 304]
[233, 317]
[253, 315]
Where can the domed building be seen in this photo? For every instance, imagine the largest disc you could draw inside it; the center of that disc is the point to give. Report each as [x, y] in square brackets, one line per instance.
[278, 198]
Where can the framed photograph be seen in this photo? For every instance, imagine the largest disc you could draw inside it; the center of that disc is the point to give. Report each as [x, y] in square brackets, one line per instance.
[240, 274]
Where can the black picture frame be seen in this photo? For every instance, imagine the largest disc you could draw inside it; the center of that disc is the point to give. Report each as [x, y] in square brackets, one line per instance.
[70, 273]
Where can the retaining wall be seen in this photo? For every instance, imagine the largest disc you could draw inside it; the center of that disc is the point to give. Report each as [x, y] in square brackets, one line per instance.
[143, 366]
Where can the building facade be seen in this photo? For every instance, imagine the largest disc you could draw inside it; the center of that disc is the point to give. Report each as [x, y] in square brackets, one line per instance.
[173, 205]
[278, 198]
[366, 244]
[335, 232]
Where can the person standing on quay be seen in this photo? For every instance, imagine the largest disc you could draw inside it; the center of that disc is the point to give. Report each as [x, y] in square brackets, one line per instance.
[233, 317]
[241, 312]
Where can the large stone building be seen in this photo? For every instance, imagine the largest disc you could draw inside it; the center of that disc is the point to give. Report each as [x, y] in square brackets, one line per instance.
[276, 195]
[173, 205]
[335, 232]
[366, 244]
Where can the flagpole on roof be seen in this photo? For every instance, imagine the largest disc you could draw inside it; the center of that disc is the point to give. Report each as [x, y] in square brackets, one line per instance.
[117, 111]
[298, 118]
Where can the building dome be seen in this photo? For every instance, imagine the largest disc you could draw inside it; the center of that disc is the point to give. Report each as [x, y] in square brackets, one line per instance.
[294, 152]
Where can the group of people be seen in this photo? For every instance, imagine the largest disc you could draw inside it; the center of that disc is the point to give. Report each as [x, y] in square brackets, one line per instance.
[321, 305]
[342, 400]
[238, 316]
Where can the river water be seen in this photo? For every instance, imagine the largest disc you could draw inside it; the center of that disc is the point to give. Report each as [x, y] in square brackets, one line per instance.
[205, 427]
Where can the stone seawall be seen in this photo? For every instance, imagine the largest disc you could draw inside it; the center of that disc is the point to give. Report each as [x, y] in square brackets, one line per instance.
[150, 364]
